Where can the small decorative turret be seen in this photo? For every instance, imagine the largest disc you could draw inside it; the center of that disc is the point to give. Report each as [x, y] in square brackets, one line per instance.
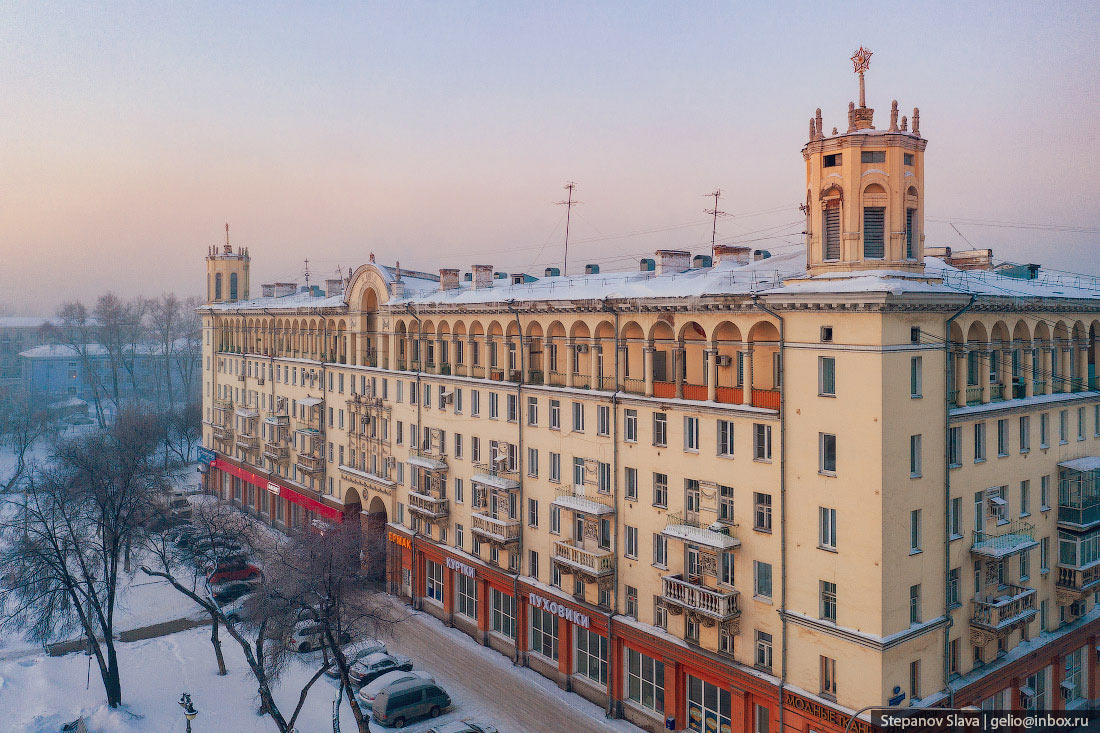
[894, 116]
[916, 122]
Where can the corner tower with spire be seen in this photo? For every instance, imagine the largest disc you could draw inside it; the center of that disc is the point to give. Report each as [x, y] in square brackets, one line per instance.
[226, 273]
[865, 191]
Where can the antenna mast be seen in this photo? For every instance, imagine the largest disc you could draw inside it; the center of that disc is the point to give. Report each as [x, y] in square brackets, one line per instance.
[307, 272]
[568, 204]
[715, 212]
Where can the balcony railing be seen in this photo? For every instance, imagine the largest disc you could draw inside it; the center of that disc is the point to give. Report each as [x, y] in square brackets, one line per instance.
[556, 379]
[1004, 612]
[427, 505]
[223, 405]
[996, 392]
[1004, 539]
[718, 604]
[634, 386]
[689, 529]
[223, 433]
[248, 442]
[495, 530]
[973, 395]
[1079, 497]
[729, 395]
[597, 562]
[585, 500]
[581, 381]
[310, 463]
[1076, 579]
[276, 452]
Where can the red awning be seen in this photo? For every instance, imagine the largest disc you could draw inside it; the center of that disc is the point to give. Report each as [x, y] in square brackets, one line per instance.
[284, 491]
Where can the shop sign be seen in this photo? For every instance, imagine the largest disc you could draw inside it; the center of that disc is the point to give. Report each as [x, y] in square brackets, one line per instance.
[460, 567]
[274, 488]
[205, 455]
[825, 713]
[559, 609]
[400, 541]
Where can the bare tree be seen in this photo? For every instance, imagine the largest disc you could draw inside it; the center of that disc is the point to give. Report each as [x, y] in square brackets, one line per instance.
[184, 430]
[75, 329]
[26, 421]
[120, 330]
[63, 560]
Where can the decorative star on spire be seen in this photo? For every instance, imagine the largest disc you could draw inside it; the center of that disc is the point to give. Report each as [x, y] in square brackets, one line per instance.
[861, 60]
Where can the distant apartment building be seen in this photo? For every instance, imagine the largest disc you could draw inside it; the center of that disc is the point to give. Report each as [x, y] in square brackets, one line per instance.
[17, 334]
[728, 491]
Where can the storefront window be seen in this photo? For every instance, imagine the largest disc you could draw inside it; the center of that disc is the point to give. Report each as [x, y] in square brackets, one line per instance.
[1035, 690]
[708, 707]
[504, 614]
[544, 633]
[466, 595]
[433, 580]
[645, 681]
[591, 655]
[1075, 682]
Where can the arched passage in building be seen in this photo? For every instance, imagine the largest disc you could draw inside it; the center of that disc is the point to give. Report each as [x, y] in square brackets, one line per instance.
[374, 541]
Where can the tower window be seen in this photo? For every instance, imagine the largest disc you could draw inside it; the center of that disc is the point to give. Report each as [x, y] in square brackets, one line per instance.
[218, 286]
[832, 161]
[874, 243]
[908, 158]
[872, 156]
[910, 233]
[830, 225]
[232, 286]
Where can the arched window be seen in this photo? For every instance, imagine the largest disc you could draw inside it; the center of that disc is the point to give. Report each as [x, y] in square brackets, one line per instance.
[233, 286]
[218, 286]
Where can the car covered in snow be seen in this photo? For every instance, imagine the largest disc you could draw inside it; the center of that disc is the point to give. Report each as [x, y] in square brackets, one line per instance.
[368, 692]
[231, 599]
[376, 665]
[356, 652]
[310, 635]
[463, 726]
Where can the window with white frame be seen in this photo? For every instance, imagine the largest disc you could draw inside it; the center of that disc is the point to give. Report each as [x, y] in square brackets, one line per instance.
[466, 590]
[555, 415]
[691, 433]
[660, 489]
[630, 426]
[533, 462]
[762, 512]
[762, 579]
[630, 482]
[915, 456]
[578, 417]
[660, 550]
[433, 580]
[916, 378]
[603, 420]
[827, 528]
[532, 411]
[660, 429]
[544, 633]
[725, 438]
[590, 655]
[503, 613]
[631, 541]
[826, 376]
[761, 442]
[645, 681]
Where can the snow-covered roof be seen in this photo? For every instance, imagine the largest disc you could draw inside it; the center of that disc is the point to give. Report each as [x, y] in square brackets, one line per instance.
[1089, 463]
[294, 300]
[65, 351]
[23, 321]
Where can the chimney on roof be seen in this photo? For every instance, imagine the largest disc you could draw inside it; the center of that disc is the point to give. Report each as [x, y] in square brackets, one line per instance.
[736, 253]
[284, 289]
[672, 260]
[972, 259]
[334, 286]
[483, 276]
[267, 290]
[448, 278]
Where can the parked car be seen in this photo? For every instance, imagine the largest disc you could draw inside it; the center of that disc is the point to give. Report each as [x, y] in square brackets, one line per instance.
[183, 536]
[227, 571]
[358, 651]
[231, 599]
[369, 691]
[310, 635]
[463, 726]
[409, 700]
[376, 665]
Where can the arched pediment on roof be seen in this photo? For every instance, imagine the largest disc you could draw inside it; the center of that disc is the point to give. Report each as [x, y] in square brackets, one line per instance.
[368, 289]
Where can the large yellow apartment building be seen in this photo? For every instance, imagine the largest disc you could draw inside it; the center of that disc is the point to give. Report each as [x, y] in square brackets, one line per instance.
[728, 491]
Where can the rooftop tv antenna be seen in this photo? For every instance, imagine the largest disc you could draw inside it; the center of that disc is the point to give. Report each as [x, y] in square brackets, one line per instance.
[715, 212]
[307, 272]
[569, 203]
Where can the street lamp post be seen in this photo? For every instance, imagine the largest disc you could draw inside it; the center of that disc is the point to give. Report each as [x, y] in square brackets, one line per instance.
[189, 711]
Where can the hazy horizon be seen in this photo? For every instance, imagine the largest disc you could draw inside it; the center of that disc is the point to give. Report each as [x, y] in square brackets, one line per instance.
[441, 134]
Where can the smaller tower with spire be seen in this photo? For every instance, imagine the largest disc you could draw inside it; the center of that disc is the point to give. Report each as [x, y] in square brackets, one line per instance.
[226, 272]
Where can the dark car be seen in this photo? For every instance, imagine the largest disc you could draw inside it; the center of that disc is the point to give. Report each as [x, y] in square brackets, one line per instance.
[228, 571]
[376, 665]
[231, 592]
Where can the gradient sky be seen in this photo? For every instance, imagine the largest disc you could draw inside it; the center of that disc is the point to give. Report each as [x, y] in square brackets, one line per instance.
[440, 134]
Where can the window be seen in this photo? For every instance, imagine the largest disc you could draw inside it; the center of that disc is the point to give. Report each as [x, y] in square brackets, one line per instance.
[979, 442]
[555, 519]
[603, 420]
[761, 442]
[914, 531]
[1080, 423]
[645, 681]
[578, 417]
[494, 405]
[914, 604]
[660, 429]
[533, 512]
[660, 614]
[1044, 554]
[1044, 430]
[660, 550]
[1025, 434]
[691, 433]
[660, 489]
[433, 580]
[914, 456]
[513, 408]
[725, 504]
[630, 481]
[578, 471]
[828, 600]
[874, 225]
[725, 438]
[955, 517]
[916, 377]
[466, 595]
[830, 230]
[826, 376]
[827, 528]
[826, 453]
[503, 613]
[762, 579]
[1063, 427]
[910, 231]
[475, 449]
[458, 490]
[1002, 438]
[630, 426]
[590, 658]
[832, 160]
[762, 512]
[872, 156]
[954, 447]
[1073, 682]
[953, 588]
[1025, 498]
[631, 541]
[1044, 493]
[555, 415]
[826, 334]
[555, 468]
[544, 633]
[828, 677]
[475, 403]
[914, 679]
[533, 462]
[763, 657]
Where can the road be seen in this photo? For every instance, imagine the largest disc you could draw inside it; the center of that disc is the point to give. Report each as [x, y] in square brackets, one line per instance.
[515, 699]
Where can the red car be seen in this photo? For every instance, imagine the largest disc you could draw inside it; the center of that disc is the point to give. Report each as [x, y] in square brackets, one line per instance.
[233, 571]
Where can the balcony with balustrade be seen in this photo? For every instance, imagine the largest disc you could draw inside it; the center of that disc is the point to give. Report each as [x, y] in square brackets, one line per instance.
[995, 616]
[1004, 539]
[500, 531]
[572, 556]
[247, 442]
[584, 499]
[427, 506]
[719, 604]
[688, 528]
[310, 463]
[276, 451]
[223, 433]
[1075, 583]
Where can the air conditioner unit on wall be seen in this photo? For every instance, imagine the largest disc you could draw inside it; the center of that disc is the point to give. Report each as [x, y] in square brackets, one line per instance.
[725, 361]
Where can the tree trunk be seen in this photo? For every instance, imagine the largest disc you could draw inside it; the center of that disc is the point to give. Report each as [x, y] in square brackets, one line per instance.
[216, 642]
[112, 683]
[361, 721]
